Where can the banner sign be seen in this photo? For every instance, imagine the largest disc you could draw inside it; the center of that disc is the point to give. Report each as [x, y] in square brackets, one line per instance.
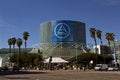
[62, 31]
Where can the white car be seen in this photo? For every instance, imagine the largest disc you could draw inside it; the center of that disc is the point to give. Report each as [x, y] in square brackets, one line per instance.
[101, 67]
[113, 68]
[110, 69]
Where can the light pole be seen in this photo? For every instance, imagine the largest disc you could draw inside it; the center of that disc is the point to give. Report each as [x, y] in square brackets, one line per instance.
[115, 60]
[91, 63]
[76, 46]
[40, 53]
[50, 65]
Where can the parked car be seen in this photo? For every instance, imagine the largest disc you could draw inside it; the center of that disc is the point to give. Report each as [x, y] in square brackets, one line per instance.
[110, 69]
[101, 67]
[15, 68]
[113, 68]
[5, 68]
[0, 68]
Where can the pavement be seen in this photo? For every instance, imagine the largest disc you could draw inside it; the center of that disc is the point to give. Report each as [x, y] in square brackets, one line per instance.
[60, 75]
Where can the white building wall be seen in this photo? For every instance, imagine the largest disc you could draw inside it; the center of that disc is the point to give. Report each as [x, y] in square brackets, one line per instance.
[98, 49]
[0, 62]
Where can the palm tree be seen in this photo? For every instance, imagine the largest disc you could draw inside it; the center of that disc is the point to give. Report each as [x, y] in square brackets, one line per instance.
[9, 43]
[112, 38]
[98, 33]
[25, 37]
[19, 43]
[108, 37]
[92, 33]
[13, 43]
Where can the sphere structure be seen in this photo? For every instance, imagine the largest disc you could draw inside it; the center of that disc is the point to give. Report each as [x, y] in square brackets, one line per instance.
[62, 38]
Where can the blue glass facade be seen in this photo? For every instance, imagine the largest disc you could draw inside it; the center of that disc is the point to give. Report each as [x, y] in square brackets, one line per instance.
[62, 31]
[58, 38]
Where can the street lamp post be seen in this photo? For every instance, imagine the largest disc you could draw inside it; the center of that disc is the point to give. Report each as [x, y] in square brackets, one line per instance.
[91, 63]
[50, 65]
[76, 46]
[41, 62]
[115, 60]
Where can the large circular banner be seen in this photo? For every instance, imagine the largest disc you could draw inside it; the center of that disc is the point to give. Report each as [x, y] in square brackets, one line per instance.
[62, 31]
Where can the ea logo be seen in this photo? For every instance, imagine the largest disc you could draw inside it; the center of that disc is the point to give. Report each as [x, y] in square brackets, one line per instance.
[62, 31]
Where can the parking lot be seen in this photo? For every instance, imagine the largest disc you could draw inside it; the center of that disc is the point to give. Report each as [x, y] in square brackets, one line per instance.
[60, 75]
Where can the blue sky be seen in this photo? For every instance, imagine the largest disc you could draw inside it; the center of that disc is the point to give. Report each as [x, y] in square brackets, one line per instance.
[17, 16]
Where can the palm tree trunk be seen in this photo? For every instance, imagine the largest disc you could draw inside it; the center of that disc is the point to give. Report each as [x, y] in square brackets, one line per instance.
[102, 50]
[9, 51]
[109, 43]
[13, 49]
[19, 52]
[101, 42]
[25, 45]
[95, 46]
[19, 56]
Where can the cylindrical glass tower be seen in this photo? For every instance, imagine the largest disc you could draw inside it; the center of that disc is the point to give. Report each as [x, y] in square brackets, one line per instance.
[62, 38]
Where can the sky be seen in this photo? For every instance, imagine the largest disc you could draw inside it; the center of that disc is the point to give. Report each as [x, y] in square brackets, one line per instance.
[17, 16]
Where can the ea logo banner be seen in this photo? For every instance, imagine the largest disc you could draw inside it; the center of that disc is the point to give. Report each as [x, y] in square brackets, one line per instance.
[62, 31]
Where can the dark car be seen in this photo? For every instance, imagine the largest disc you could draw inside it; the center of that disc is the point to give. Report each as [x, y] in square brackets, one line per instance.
[5, 68]
[0, 68]
[15, 68]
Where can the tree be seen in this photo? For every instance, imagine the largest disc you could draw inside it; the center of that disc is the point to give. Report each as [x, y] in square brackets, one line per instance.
[13, 43]
[26, 60]
[19, 43]
[93, 35]
[9, 43]
[37, 61]
[108, 37]
[98, 33]
[112, 38]
[25, 37]
[85, 59]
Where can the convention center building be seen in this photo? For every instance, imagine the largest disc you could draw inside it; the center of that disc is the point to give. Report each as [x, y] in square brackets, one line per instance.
[62, 38]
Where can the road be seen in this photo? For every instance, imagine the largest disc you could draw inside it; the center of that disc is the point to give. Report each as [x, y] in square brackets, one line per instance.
[60, 75]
